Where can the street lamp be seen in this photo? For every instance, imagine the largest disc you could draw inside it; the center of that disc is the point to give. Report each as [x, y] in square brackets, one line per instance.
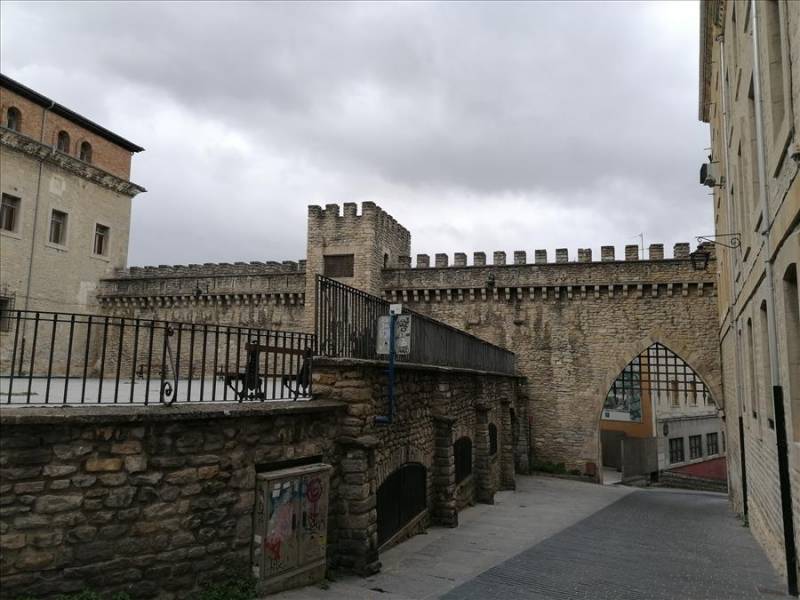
[699, 260]
[701, 256]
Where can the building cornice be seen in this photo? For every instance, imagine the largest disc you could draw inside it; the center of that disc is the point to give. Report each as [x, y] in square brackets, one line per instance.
[20, 143]
[711, 17]
[62, 111]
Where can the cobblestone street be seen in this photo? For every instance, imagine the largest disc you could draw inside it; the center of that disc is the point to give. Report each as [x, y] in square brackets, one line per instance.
[556, 539]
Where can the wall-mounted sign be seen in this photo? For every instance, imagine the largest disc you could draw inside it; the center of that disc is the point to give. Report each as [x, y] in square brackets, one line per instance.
[402, 334]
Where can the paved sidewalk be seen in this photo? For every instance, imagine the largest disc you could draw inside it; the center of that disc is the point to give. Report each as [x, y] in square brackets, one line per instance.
[560, 539]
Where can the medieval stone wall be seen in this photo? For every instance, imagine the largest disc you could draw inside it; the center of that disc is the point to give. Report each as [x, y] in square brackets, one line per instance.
[151, 501]
[434, 407]
[573, 326]
[267, 295]
[159, 501]
[374, 239]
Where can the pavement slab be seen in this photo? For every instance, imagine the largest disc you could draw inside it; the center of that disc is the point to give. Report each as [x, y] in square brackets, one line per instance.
[556, 539]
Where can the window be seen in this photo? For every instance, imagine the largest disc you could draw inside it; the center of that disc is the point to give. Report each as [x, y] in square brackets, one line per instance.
[695, 446]
[6, 305]
[766, 367]
[712, 444]
[492, 439]
[751, 368]
[775, 69]
[675, 450]
[58, 228]
[62, 142]
[86, 152]
[673, 393]
[9, 213]
[101, 240]
[462, 450]
[791, 310]
[13, 118]
[338, 265]
[692, 393]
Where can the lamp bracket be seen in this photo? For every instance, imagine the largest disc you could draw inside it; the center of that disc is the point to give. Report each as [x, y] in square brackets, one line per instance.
[735, 239]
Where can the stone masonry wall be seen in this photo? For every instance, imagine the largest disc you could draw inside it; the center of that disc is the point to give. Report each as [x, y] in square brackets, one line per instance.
[158, 501]
[573, 326]
[264, 295]
[433, 408]
[153, 501]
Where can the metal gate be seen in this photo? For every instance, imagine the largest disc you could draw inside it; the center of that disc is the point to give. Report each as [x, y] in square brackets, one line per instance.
[401, 497]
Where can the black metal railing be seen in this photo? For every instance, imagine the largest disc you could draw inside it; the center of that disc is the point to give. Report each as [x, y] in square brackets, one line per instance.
[346, 325]
[65, 358]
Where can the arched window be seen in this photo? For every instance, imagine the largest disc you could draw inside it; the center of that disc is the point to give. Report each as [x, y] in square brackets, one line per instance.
[462, 450]
[62, 142]
[13, 118]
[492, 439]
[86, 152]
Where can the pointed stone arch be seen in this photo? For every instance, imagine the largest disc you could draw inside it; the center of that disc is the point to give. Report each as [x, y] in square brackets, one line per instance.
[702, 364]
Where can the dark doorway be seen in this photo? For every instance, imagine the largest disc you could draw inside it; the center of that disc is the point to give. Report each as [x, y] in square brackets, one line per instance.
[401, 497]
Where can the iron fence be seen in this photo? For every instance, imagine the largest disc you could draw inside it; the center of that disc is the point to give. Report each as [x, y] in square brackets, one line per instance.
[65, 358]
[346, 326]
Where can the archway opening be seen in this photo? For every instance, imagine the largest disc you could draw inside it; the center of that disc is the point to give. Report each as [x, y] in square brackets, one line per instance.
[401, 497]
[658, 418]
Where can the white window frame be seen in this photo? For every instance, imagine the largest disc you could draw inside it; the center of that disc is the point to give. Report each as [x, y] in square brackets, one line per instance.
[65, 238]
[17, 231]
[107, 241]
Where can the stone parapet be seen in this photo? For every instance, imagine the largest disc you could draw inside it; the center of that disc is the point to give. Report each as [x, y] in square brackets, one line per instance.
[152, 501]
[520, 257]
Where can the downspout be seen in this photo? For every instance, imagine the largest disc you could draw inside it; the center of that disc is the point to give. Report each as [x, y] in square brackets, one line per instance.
[36, 212]
[732, 275]
[790, 549]
[33, 236]
[387, 419]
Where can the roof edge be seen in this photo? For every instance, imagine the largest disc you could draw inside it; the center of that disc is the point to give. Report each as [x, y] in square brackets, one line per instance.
[61, 110]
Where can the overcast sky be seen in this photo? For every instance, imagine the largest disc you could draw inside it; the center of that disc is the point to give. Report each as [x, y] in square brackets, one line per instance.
[497, 126]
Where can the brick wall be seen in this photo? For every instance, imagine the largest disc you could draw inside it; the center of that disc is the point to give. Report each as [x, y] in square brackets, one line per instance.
[105, 154]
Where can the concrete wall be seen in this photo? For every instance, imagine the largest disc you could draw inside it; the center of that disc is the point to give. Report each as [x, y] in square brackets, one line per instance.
[684, 427]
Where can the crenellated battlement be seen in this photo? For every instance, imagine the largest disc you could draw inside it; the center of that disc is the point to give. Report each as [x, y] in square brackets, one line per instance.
[347, 215]
[630, 253]
[213, 269]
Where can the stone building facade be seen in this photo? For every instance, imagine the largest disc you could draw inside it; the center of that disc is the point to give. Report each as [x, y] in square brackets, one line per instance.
[66, 203]
[750, 97]
[573, 324]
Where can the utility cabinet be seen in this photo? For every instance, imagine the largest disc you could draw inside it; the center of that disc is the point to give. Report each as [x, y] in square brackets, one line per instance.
[290, 527]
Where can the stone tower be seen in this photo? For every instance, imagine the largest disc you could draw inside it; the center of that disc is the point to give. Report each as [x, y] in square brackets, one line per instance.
[352, 248]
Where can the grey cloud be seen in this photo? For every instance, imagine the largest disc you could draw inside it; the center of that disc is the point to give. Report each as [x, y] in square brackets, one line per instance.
[553, 100]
